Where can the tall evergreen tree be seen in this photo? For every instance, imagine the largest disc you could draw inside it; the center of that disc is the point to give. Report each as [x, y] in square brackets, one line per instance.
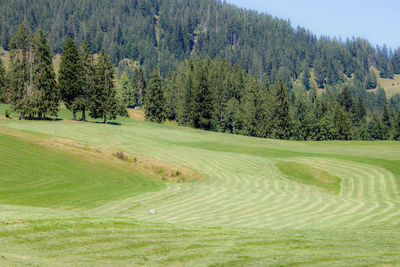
[128, 92]
[249, 108]
[281, 117]
[203, 101]
[396, 128]
[155, 99]
[84, 99]
[345, 99]
[386, 122]
[361, 110]
[342, 123]
[18, 77]
[44, 78]
[2, 81]
[371, 82]
[140, 84]
[70, 76]
[187, 117]
[306, 77]
[104, 101]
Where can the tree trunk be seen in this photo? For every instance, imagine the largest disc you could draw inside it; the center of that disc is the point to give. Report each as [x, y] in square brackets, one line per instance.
[105, 119]
[74, 114]
[83, 114]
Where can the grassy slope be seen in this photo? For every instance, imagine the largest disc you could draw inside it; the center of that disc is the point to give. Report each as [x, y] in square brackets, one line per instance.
[256, 215]
[34, 175]
[391, 86]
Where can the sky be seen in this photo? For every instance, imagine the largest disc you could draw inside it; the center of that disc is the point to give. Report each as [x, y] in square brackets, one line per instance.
[374, 20]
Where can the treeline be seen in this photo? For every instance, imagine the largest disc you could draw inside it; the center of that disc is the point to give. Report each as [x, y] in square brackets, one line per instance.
[84, 83]
[164, 33]
[214, 95]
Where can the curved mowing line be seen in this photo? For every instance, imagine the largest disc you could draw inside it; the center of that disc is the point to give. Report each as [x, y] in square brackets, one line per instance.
[242, 189]
[256, 201]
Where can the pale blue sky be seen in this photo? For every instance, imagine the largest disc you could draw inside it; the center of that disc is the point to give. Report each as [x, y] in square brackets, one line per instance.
[377, 21]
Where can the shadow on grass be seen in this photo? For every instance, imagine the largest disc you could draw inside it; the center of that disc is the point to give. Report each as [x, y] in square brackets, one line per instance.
[108, 123]
[114, 123]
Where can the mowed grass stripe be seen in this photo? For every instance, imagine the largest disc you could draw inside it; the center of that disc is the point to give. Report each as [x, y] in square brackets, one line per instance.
[241, 188]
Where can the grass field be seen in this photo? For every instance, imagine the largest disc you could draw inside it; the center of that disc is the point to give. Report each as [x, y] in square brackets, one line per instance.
[255, 201]
[391, 86]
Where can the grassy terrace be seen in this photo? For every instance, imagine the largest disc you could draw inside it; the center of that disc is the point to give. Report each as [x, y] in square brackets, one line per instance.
[256, 201]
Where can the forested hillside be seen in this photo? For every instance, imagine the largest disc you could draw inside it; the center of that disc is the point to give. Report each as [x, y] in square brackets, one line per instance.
[213, 66]
[167, 32]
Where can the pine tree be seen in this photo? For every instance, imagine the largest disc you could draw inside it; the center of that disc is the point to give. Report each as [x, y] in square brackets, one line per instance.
[371, 80]
[44, 78]
[84, 100]
[18, 77]
[128, 93]
[345, 99]
[2, 81]
[104, 101]
[70, 76]
[306, 77]
[248, 108]
[386, 122]
[396, 128]
[342, 123]
[281, 117]
[203, 101]
[361, 111]
[188, 101]
[262, 109]
[155, 100]
[140, 84]
[301, 119]
[232, 116]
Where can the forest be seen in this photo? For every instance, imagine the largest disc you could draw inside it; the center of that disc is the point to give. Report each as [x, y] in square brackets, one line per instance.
[164, 33]
[203, 63]
[84, 83]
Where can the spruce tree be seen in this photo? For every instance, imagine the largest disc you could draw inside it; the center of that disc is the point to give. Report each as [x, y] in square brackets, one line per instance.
[188, 101]
[128, 92]
[306, 77]
[396, 128]
[84, 99]
[203, 101]
[280, 115]
[44, 78]
[342, 123]
[155, 101]
[18, 77]
[2, 81]
[70, 76]
[140, 84]
[361, 110]
[104, 101]
[371, 82]
[386, 122]
[262, 109]
[345, 99]
[248, 108]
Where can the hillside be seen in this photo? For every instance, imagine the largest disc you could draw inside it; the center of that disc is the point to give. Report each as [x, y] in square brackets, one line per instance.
[257, 199]
[167, 32]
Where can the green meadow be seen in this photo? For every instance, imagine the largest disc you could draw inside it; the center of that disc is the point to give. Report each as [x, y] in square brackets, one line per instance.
[66, 200]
